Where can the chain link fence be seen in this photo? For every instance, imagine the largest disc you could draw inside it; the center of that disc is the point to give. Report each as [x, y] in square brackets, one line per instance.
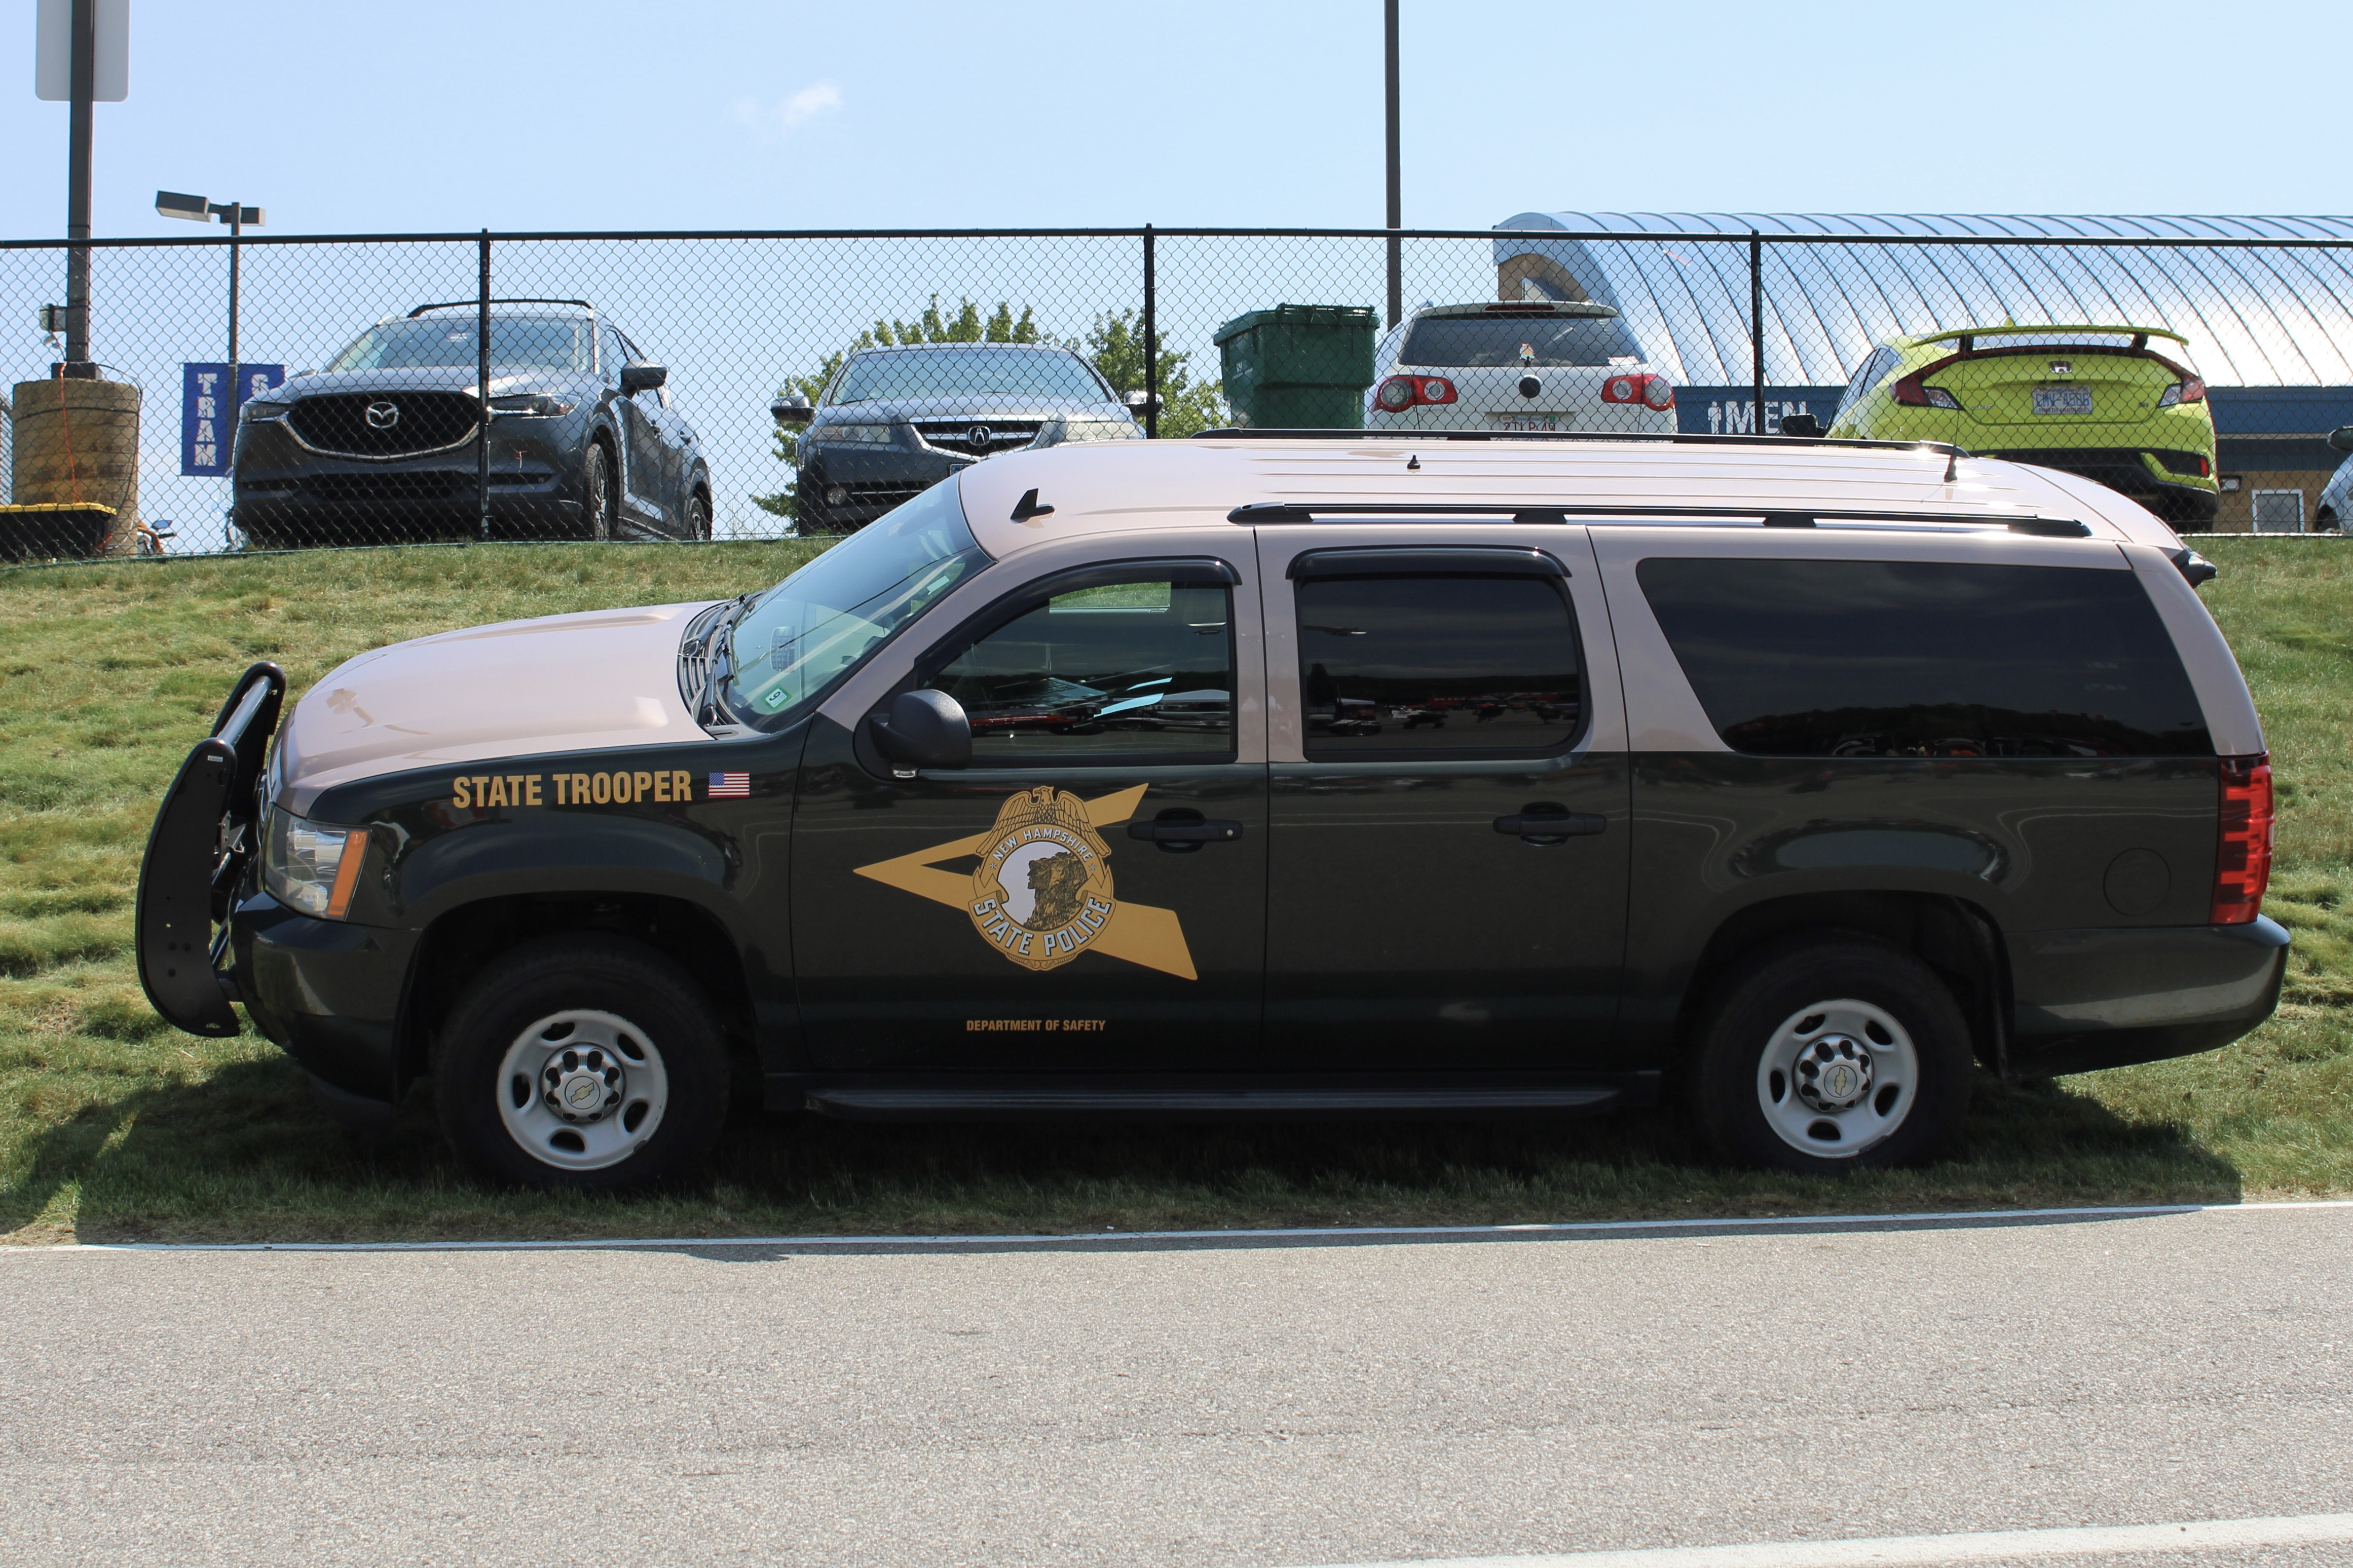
[758, 385]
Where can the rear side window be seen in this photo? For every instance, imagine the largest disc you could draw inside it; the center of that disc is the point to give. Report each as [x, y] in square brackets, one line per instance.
[1885, 658]
[1408, 664]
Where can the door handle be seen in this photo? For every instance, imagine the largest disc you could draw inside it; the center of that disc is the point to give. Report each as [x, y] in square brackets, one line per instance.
[1181, 831]
[1551, 825]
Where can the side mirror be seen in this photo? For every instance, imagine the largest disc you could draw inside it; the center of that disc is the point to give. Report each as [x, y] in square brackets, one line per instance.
[1139, 401]
[1804, 426]
[642, 376]
[924, 729]
[792, 410]
[2342, 437]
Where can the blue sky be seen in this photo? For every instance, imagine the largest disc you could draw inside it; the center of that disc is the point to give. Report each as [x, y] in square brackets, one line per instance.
[704, 113]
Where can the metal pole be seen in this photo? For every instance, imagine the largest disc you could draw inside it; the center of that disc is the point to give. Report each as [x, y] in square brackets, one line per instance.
[83, 68]
[236, 391]
[1757, 330]
[1397, 199]
[482, 386]
[1151, 342]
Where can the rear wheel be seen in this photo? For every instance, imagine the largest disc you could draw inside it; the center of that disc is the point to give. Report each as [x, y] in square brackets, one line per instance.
[596, 492]
[583, 1064]
[1828, 1054]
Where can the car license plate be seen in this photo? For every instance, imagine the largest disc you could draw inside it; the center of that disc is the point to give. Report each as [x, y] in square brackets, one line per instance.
[2062, 400]
[1527, 424]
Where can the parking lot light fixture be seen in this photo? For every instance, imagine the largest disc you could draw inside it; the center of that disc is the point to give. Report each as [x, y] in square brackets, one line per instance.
[197, 209]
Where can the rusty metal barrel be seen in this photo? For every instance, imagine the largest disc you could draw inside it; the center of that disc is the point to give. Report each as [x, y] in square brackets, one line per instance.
[76, 440]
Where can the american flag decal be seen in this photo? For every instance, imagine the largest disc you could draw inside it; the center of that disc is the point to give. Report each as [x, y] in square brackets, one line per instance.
[726, 787]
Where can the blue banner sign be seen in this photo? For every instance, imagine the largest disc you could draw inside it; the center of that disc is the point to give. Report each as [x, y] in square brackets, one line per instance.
[208, 414]
[1731, 410]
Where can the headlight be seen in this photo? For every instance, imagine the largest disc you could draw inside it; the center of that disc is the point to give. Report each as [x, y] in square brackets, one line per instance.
[534, 403]
[310, 866]
[860, 435]
[1095, 430]
[263, 411]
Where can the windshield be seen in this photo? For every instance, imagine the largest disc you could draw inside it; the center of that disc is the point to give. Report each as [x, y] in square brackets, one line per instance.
[523, 344]
[967, 372]
[1472, 341]
[818, 624]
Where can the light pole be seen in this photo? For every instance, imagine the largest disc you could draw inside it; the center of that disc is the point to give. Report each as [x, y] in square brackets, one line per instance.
[195, 209]
[1397, 202]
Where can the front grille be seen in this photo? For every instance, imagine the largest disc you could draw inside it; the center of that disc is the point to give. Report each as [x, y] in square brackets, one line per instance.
[338, 422]
[979, 438]
[433, 486]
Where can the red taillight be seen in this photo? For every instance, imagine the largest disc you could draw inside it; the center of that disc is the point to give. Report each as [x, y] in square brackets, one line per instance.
[1639, 387]
[1400, 393]
[2243, 859]
[1913, 392]
[2190, 390]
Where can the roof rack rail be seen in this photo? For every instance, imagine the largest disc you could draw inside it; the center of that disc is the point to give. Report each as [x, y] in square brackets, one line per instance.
[454, 304]
[1539, 514]
[1941, 449]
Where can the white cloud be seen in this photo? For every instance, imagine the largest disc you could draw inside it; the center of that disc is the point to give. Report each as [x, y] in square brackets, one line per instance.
[773, 121]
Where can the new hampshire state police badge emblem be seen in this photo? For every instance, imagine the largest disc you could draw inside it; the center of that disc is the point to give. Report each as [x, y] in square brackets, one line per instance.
[1042, 895]
[1043, 890]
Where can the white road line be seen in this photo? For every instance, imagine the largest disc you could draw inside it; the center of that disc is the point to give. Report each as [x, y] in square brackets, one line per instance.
[1124, 1239]
[1936, 1550]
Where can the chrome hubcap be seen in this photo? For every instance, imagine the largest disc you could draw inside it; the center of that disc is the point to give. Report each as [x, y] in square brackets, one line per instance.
[582, 1089]
[1837, 1078]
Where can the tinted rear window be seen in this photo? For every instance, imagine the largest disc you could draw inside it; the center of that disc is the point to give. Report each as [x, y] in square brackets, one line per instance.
[1437, 664]
[1883, 658]
[1470, 342]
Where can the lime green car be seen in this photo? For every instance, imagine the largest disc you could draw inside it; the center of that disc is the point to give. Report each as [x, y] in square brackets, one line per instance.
[2095, 401]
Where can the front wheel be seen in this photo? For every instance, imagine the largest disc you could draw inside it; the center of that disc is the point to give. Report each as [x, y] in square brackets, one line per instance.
[1831, 1054]
[587, 1064]
[596, 492]
[698, 517]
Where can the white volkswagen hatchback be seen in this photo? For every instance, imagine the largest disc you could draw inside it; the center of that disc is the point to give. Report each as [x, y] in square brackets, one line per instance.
[1529, 366]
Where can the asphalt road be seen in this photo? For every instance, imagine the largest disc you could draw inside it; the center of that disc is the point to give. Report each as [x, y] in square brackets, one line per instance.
[1262, 1407]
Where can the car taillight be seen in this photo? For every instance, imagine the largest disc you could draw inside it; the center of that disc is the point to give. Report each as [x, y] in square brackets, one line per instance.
[1400, 393]
[1914, 393]
[2243, 859]
[1639, 387]
[2190, 391]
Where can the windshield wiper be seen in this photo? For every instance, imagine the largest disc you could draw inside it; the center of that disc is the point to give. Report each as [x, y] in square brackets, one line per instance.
[718, 642]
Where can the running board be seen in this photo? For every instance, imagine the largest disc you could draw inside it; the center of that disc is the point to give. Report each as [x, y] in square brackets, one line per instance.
[986, 1101]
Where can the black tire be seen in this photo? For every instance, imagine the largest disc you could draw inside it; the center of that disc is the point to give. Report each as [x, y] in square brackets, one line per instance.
[698, 517]
[596, 492]
[670, 1045]
[1852, 1015]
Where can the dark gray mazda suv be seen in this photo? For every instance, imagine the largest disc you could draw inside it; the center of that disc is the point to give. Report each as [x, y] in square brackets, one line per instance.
[382, 444]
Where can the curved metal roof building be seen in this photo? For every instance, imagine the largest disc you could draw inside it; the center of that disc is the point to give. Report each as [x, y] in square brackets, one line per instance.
[2256, 316]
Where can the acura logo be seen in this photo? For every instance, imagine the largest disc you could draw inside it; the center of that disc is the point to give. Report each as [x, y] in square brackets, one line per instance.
[979, 435]
[383, 415]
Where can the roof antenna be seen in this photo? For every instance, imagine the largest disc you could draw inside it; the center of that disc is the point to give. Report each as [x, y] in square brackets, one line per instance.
[1952, 465]
[1027, 507]
[1411, 461]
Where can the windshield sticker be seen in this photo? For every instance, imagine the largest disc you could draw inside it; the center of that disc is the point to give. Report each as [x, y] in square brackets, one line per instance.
[1042, 892]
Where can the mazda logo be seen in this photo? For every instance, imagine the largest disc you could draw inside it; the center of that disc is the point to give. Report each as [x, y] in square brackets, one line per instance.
[979, 435]
[383, 415]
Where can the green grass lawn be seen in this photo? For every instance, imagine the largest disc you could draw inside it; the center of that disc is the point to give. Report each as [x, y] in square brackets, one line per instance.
[114, 1126]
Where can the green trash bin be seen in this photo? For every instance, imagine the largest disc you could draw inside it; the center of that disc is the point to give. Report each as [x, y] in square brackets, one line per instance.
[1299, 367]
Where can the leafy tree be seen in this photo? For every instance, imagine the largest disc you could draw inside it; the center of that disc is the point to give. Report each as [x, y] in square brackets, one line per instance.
[1115, 344]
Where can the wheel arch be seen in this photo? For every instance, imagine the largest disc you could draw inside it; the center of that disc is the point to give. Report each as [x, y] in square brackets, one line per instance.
[1957, 940]
[462, 941]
